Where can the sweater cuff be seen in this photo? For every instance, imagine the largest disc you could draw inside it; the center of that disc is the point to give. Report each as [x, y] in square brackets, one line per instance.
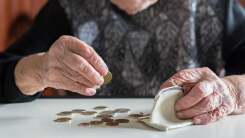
[11, 92]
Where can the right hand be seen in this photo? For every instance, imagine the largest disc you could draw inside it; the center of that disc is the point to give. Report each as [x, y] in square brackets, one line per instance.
[71, 64]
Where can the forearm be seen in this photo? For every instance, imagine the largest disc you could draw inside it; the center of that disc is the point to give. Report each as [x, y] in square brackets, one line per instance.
[28, 74]
[238, 86]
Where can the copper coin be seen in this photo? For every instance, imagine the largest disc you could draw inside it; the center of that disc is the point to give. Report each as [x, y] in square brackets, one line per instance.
[122, 110]
[64, 113]
[107, 119]
[112, 124]
[100, 108]
[107, 78]
[109, 112]
[135, 115]
[122, 120]
[62, 120]
[88, 113]
[84, 124]
[96, 122]
[77, 111]
[104, 116]
[143, 117]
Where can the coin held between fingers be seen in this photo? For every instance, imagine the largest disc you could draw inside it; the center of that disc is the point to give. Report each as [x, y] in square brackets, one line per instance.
[107, 78]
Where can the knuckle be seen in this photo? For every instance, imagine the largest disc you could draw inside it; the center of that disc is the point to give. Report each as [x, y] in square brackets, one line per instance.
[207, 69]
[188, 74]
[90, 54]
[85, 69]
[64, 38]
[209, 103]
[204, 88]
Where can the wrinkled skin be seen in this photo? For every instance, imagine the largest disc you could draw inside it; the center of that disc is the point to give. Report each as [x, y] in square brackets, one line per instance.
[133, 6]
[70, 64]
[207, 98]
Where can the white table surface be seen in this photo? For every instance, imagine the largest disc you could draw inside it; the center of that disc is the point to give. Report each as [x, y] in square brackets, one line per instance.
[35, 120]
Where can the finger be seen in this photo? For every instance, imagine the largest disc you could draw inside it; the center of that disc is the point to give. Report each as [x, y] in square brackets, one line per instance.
[186, 76]
[187, 87]
[67, 84]
[212, 116]
[87, 52]
[199, 92]
[75, 76]
[79, 64]
[206, 105]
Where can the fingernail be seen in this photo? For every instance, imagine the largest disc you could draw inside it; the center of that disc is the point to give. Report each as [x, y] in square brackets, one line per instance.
[100, 80]
[104, 65]
[91, 92]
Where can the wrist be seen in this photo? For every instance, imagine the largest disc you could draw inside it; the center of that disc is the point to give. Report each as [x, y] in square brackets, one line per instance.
[29, 73]
[236, 87]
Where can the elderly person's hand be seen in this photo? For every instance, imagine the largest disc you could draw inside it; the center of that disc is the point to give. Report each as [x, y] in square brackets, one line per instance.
[207, 98]
[70, 64]
[133, 6]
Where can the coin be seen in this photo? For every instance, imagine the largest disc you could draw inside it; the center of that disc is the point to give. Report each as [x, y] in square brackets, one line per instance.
[88, 113]
[107, 119]
[136, 115]
[122, 120]
[104, 116]
[77, 111]
[64, 113]
[122, 110]
[95, 122]
[84, 124]
[143, 117]
[62, 120]
[100, 108]
[112, 123]
[108, 78]
[109, 112]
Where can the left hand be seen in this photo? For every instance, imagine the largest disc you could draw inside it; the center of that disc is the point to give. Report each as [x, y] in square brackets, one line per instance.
[207, 98]
[133, 6]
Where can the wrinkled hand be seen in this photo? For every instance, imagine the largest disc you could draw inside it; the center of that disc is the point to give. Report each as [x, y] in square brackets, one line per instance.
[207, 98]
[70, 64]
[133, 6]
[73, 65]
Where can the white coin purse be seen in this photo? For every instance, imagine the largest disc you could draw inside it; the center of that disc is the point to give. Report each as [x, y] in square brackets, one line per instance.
[163, 115]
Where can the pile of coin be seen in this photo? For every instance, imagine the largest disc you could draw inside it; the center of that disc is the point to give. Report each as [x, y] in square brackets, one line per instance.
[102, 115]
